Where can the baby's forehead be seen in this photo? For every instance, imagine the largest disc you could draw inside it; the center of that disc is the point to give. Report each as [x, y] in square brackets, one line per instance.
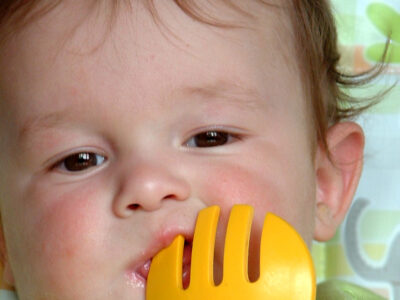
[62, 50]
[69, 18]
[72, 28]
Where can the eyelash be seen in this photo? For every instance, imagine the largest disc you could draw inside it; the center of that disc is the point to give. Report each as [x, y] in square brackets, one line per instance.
[86, 159]
[83, 161]
[211, 138]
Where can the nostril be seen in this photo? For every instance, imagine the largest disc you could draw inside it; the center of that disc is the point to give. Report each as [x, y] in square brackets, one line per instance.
[170, 196]
[133, 206]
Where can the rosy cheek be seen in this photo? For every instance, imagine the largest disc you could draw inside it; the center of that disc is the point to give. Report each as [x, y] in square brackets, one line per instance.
[75, 218]
[229, 185]
[266, 191]
[62, 234]
[68, 220]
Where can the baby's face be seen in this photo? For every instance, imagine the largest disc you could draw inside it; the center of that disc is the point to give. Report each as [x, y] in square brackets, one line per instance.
[108, 153]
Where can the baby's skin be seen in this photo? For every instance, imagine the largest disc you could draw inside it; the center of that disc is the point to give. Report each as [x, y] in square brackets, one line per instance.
[114, 137]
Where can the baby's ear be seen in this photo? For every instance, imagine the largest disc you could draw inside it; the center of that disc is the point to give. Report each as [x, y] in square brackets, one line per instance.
[337, 176]
[6, 278]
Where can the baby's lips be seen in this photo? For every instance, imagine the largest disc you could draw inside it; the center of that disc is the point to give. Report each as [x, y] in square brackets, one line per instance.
[137, 273]
[143, 270]
[186, 263]
[137, 277]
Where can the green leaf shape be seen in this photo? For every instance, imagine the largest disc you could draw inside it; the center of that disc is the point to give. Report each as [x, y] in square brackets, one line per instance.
[375, 53]
[386, 19]
[337, 289]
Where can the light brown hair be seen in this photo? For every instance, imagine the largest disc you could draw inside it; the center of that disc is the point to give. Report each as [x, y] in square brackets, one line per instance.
[325, 86]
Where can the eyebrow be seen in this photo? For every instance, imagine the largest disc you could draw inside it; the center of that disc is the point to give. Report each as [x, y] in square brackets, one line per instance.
[227, 92]
[231, 92]
[48, 120]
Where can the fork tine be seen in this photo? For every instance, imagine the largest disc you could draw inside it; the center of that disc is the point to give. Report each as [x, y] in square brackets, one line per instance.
[166, 271]
[285, 262]
[201, 273]
[286, 269]
[236, 250]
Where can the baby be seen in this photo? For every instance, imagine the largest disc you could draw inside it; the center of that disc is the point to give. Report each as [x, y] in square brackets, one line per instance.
[121, 120]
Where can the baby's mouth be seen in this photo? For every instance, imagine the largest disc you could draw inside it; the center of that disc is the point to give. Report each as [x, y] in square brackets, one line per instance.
[143, 271]
[186, 263]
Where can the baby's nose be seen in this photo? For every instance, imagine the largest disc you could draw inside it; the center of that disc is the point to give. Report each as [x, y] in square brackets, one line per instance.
[146, 185]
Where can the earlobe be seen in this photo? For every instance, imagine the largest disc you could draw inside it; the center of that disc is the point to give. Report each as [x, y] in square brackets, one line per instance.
[337, 176]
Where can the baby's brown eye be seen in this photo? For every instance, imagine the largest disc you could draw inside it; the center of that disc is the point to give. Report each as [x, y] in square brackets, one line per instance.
[209, 139]
[81, 161]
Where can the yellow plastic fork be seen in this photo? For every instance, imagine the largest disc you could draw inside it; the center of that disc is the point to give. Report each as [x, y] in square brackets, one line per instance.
[286, 268]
